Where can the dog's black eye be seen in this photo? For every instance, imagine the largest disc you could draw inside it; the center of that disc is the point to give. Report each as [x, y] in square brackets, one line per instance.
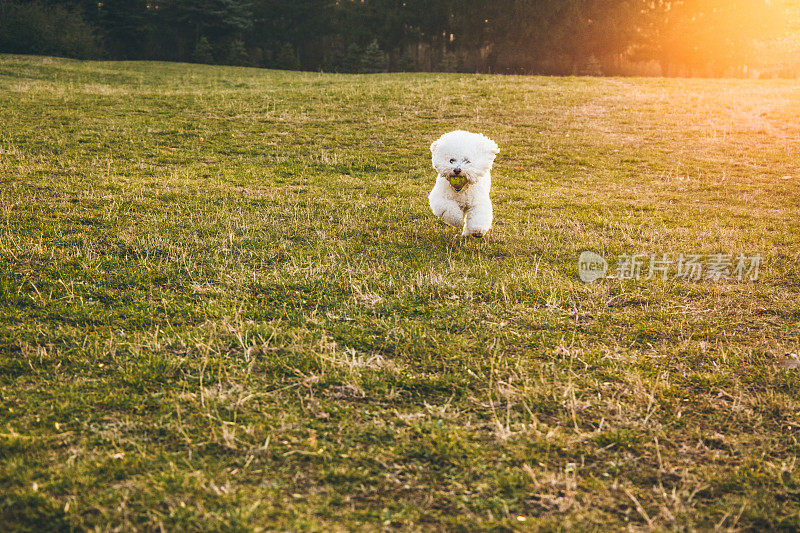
[466, 161]
[452, 160]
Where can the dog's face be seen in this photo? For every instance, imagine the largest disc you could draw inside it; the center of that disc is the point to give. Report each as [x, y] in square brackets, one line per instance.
[461, 153]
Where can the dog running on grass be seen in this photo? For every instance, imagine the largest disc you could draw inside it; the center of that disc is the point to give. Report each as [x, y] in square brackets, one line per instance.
[463, 162]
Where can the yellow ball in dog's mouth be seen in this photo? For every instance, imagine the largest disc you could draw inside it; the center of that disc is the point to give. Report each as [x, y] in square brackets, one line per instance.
[457, 182]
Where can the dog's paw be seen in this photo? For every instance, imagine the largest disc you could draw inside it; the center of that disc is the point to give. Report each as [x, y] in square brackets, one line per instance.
[473, 233]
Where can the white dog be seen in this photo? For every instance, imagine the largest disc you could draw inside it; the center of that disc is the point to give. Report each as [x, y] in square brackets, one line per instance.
[460, 197]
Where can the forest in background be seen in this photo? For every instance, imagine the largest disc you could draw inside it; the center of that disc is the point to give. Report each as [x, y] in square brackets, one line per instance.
[710, 38]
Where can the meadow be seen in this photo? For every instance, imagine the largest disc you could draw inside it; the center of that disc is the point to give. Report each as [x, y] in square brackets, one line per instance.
[225, 305]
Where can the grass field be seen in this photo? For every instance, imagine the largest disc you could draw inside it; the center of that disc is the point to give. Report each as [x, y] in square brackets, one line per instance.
[224, 304]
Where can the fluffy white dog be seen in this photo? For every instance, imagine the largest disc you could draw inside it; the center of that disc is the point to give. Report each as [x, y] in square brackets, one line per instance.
[463, 161]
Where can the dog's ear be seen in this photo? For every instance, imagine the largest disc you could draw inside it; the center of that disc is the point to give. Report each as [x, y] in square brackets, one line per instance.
[434, 146]
[490, 146]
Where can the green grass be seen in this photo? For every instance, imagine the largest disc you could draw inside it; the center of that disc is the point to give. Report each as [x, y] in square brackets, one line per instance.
[224, 304]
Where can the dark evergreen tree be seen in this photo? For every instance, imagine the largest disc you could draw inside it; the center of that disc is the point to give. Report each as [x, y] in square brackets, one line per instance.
[127, 26]
[237, 53]
[203, 51]
[216, 20]
[351, 61]
[373, 59]
[286, 58]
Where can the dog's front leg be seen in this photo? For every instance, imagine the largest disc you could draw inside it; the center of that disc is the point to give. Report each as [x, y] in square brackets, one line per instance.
[478, 220]
[448, 210]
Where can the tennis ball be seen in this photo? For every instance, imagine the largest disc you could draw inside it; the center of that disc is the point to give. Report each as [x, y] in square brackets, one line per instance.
[457, 182]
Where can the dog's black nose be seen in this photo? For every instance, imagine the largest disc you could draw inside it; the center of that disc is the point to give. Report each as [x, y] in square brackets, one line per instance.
[456, 171]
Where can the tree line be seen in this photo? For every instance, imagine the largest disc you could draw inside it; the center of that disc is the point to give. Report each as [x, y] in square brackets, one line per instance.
[590, 37]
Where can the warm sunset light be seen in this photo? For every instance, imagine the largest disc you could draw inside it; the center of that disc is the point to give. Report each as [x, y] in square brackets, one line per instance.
[717, 38]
